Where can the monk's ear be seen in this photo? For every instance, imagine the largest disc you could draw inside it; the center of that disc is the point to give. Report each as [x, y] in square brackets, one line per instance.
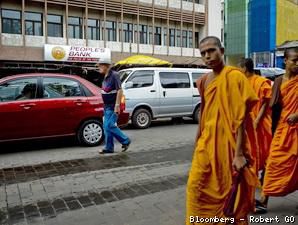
[285, 60]
[222, 50]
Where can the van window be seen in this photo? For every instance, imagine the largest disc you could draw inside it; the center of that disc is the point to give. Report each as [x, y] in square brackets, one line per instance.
[142, 78]
[124, 74]
[174, 80]
[196, 76]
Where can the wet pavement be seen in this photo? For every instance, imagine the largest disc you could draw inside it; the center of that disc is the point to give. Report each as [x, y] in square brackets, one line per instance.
[71, 185]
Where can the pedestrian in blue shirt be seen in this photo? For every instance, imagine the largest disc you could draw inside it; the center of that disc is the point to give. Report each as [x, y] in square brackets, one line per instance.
[111, 94]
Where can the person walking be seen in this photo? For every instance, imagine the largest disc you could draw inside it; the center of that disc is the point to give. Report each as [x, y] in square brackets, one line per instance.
[221, 146]
[281, 176]
[259, 122]
[111, 94]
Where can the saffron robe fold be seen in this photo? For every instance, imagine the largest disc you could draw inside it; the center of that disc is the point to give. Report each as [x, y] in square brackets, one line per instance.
[260, 139]
[281, 176]
[226, 100]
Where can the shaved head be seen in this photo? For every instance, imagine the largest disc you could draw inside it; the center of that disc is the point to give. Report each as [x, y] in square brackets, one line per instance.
[212, 38]
[291, 61]
[289, 50]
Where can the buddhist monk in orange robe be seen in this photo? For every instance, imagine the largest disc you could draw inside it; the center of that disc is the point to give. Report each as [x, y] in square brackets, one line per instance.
[259, 124]
[221, 145]
[281, 177]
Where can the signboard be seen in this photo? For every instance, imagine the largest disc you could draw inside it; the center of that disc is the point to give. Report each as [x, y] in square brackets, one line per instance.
[66, 53]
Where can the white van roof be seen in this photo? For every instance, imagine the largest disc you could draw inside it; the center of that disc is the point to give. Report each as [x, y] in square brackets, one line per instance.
[170, 69]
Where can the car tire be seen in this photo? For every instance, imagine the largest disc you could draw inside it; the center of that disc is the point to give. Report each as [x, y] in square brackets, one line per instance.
[195, 116]
[90, 133]
[141, 119]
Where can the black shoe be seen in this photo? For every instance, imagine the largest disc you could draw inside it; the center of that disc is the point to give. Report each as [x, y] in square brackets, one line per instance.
[260, 207]
[105, 151]
[126, 146]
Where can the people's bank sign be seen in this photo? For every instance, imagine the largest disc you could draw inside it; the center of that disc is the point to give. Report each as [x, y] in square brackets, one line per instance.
[66, 53]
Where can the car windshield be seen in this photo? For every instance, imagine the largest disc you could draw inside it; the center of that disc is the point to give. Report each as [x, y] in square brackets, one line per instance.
[124, 75]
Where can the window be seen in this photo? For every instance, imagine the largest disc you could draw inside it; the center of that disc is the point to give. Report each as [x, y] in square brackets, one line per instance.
[111, 28]
[196, 76]
[143, 29]
[33, 23]
[165, 36]
[60, 88]
[196, 1]
[75, 27]
[178, 39]
[196, 39]
[150, 35]
[184, 39]
[172, 37]
[55, 26]
[190, 39]
[127, 32]
[93, 29]
[124, 74]
[17, 90]
[157, 36]
[174, 80]
[136, 33]
[11, 21]
[142, 79]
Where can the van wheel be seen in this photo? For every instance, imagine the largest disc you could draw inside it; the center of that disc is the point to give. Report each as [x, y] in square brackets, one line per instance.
[90, 133]
[196, 115]
[141, 119]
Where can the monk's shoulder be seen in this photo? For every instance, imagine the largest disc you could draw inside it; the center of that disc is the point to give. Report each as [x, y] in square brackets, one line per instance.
[263, 80]
[237, 75]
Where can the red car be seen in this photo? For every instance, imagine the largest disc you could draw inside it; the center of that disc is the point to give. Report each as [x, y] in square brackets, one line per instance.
[51, 105]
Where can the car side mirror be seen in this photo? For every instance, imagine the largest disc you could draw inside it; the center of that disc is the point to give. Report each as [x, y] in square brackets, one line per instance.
[128, 85]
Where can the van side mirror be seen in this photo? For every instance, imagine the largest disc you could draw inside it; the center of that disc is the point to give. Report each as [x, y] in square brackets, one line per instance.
[128, 85]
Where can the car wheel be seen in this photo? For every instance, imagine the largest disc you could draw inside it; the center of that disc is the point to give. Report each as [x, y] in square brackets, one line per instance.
[141, 119]
[91, 133]
[196, 115]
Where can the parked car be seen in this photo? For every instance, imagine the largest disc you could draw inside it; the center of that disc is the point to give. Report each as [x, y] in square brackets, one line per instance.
[271, 72]
[51, 105]
[153, 93]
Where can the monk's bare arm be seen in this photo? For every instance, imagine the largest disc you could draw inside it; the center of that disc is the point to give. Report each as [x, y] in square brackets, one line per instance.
[261, 114]
[239, 161]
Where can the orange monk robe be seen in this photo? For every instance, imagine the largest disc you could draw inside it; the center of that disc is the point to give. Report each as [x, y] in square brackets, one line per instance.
[281, 177]
[226, 100]
[260, 139]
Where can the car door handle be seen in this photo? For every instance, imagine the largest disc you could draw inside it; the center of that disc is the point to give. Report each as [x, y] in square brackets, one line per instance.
[152, 90]
[164, 93]
[28, 106]
[80, 102]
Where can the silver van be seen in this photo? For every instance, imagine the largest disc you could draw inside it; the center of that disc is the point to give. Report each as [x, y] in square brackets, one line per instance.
[157, 92]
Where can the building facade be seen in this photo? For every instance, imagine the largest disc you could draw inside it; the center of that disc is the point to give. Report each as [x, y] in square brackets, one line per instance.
[255, 28]
[236, 31]
[167, 29]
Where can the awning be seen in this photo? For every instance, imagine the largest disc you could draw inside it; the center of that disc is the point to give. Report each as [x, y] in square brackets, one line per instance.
[288, 44]
[143, 60]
